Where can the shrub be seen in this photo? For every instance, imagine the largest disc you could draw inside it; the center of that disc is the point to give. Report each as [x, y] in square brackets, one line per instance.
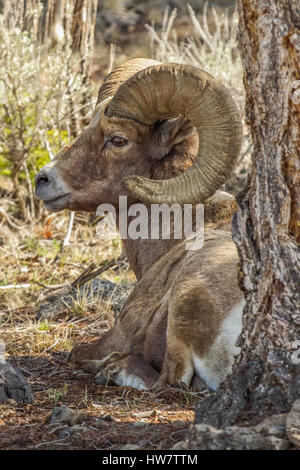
[42, 95]
[212, 46]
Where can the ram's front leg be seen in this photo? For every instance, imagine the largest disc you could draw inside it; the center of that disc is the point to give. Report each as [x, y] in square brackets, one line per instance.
[123, 369]
[131, 371]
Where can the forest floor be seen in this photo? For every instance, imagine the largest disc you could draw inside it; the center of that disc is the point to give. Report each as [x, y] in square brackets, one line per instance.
[114, 416]
[31, 258]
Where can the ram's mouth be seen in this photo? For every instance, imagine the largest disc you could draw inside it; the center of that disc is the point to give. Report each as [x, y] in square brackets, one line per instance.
[58, 203]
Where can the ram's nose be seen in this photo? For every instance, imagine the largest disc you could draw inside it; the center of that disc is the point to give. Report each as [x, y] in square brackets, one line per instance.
[43, 180]
[49, 185]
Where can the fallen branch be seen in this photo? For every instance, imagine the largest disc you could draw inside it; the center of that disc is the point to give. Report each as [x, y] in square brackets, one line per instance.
[54, 286]
[16, 309]
[91, 273]
[15, 286]
[9, 220]
[66, 241]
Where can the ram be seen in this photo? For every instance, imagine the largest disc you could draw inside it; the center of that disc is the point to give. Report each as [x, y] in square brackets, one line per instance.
[160, 133]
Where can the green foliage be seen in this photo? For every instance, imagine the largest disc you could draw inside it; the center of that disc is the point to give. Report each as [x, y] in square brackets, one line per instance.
[39, 155]
[56, 394]
[44, 326]
[5, 165]
[41, 95]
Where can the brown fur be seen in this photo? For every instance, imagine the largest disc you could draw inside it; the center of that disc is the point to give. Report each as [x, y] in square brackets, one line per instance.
[182, 291]
[182, 297]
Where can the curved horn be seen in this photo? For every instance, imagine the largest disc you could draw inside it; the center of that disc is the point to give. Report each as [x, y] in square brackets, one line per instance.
[120, 74]
[167, 90]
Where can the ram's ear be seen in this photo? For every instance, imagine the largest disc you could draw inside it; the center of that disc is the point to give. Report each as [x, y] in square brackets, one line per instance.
[167, 134]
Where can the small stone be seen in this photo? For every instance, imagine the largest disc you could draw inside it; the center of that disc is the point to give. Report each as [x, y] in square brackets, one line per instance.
[205, 437]
[181, 445]
[11, 402]
[293, 424]
[275, 420]
[179, 423]
[140, 424]
[129, 447]
[63, 414]
[100, 422]
[67, 432]
[144, 414]
[108, 418]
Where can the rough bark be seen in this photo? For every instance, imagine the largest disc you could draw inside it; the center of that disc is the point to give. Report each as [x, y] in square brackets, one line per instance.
[266, 229]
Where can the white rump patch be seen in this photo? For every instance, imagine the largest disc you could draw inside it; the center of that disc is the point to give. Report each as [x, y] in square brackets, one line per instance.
[217, 364]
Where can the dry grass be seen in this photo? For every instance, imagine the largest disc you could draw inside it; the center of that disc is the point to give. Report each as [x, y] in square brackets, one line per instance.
[212, 45]
[31, 255]
[33, 259]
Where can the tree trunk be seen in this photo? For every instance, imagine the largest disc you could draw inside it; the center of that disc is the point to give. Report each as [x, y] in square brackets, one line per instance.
[83, 29]
[18, 192]
[266, 229]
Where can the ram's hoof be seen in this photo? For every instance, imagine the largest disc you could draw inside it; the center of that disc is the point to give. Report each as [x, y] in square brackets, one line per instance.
[13, 385]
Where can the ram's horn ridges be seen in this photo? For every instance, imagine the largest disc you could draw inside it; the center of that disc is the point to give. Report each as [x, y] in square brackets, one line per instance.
[167, 90]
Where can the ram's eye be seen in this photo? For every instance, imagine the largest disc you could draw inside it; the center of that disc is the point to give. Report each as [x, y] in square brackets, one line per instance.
[119, 141]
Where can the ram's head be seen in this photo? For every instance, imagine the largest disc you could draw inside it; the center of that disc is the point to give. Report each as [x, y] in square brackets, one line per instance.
[159, 133]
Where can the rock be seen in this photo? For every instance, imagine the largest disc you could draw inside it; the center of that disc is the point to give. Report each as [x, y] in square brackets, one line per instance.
[115, 294]
[109, 418]
[140, 424]
[275, 420]
[63, 414]
[261, 437]
[79, 374]
[129, 447]
[67, 432]
[11, 402]
[179, 422]
[144, 414]
[181, 445]
[293, 424]
[101, 423]
[13, 385]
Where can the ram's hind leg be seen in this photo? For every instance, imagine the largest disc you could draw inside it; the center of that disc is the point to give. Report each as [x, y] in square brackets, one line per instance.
[191, 327]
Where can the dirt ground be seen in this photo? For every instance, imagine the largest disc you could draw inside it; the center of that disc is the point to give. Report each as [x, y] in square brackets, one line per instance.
[116, 416]
[30, 255]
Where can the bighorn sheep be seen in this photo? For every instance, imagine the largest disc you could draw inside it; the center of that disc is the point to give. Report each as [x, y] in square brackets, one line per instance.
[160, 133]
